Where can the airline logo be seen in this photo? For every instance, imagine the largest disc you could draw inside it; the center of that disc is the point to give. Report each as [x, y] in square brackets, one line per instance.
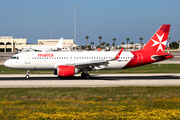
[46, 55]
[159, 42]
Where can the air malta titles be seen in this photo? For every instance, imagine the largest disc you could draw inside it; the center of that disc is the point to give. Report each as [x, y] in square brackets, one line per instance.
[46, 55]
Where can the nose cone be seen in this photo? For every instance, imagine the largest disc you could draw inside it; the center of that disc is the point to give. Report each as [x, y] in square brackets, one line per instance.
[7, 63]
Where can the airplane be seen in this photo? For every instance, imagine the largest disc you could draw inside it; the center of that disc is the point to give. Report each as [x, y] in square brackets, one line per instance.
[66, 64]
[45, 48]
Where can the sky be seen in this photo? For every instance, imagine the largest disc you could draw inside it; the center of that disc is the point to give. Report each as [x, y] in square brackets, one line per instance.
[120, 19]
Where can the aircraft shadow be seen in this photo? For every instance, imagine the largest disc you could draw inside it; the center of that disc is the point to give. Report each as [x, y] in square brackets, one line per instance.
[95, 77]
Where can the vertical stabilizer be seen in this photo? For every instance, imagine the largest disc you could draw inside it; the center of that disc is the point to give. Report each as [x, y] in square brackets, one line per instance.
[59, 44]
[158, 41]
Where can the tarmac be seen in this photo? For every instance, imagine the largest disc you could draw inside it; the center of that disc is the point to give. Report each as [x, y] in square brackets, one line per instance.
[97, 80]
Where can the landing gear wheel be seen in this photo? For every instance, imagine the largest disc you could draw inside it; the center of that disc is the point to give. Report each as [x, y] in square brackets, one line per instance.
[27, 77]
[84, 75]
[87, 76]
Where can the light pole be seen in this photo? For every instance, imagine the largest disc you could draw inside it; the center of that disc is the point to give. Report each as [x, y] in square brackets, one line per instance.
[75, 24]
[168, 41]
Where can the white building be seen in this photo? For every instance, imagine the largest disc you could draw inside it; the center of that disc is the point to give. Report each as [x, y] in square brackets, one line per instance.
[132, 46]
[9, 44]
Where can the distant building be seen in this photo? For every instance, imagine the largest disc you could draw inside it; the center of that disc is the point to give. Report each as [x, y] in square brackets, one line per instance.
[9, 44]
[134, 46]
[53, 42]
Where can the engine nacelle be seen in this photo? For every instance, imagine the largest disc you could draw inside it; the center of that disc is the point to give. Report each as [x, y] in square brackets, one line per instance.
[66, 71]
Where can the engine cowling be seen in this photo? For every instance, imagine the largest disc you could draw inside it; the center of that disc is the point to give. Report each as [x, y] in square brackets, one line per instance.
[65, 71]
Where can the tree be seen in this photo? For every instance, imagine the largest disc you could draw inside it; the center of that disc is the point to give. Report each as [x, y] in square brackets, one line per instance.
[132, 43]
[114, 39]
[87, 37]
[98, 46]
[102, 44]
[100, 40]
[83, 47]
[92, 43]
[113, 44]
[174, 45]
[123, 44]
[141, 42]
[88, 47]
[127, 39]
[107, 44]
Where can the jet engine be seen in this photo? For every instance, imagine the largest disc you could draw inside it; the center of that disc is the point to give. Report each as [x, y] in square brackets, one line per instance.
[66, 71]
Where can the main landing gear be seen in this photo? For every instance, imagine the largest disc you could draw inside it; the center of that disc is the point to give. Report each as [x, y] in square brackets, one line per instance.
[85, 75]
[27, 74]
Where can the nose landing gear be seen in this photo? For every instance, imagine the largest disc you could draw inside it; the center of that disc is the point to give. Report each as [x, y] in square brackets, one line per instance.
[27, 74]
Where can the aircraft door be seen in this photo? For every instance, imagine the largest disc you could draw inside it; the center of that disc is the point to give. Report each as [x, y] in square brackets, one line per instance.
[27, 58]
[139, 58]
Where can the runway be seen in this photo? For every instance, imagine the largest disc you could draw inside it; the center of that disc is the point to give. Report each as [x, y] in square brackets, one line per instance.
[97, 80]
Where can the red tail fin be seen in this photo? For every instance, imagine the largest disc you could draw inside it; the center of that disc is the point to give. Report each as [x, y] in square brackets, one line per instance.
[158, 41]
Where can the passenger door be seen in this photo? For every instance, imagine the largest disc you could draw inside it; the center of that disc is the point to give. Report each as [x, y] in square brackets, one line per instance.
[27, 58]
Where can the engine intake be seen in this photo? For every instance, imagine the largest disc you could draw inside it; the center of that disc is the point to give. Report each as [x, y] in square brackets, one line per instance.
[66, 71]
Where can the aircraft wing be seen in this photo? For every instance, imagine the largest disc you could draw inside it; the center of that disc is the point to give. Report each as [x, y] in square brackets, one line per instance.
[97, 63]
[84, 64]
[94, 63]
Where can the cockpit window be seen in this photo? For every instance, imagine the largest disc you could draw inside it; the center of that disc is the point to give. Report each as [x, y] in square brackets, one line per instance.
[15, 57]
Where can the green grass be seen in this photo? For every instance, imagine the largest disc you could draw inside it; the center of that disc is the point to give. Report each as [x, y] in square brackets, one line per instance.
[151, 68]
[87, 94]
[90, 103]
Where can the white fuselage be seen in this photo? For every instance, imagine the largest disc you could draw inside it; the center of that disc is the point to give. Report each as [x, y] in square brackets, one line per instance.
[50, 60]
